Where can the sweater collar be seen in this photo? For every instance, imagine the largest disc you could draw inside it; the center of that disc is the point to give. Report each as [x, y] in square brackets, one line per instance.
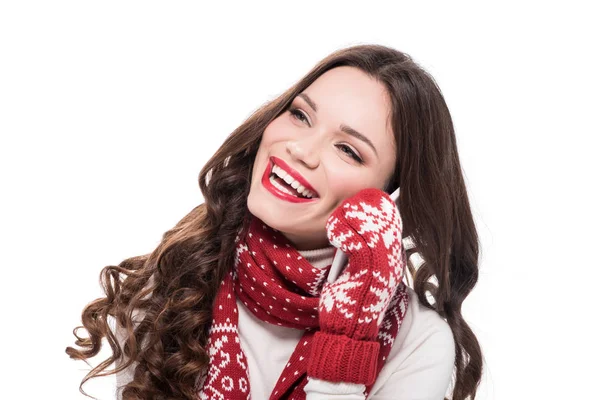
[319, 258]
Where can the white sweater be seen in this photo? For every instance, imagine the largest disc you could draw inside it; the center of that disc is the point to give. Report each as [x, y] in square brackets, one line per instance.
[419, 366]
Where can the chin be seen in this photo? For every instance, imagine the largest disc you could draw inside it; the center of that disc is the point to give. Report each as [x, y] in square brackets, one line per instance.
[268, 214]
[261, 209]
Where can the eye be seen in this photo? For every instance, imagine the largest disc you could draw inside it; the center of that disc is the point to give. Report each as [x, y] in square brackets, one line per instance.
[350, 152]
[297, 114]
[301, 116]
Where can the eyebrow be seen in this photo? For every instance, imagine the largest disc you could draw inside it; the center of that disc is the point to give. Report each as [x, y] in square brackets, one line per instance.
[343, 127]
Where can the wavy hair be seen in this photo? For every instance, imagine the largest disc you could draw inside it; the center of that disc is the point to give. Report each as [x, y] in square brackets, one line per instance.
[163, 300]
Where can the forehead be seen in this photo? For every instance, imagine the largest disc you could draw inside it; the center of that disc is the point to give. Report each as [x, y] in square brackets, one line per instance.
[347, 95]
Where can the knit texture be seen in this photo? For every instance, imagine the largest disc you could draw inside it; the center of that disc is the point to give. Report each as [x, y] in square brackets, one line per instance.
[368, 228]
[280, 287]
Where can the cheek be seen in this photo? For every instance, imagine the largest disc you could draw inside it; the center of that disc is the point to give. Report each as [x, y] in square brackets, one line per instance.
[277, 130]
[345, 183]
[274, 132]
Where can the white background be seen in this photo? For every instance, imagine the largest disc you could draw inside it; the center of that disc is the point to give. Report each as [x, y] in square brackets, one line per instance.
[108, 111]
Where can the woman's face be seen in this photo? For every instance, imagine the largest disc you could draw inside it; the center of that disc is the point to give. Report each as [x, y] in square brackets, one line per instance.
[310, 141]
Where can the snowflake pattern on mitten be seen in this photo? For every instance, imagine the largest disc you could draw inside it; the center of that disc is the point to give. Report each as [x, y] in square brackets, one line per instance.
[367, 227]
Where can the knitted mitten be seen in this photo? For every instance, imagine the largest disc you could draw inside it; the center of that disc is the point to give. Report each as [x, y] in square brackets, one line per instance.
[368, 228]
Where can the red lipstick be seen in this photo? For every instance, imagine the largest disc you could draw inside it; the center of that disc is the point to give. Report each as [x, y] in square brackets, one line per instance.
[293, 173]
[266, 181]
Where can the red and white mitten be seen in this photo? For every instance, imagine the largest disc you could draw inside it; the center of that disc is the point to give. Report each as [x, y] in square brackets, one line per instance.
[368, 228]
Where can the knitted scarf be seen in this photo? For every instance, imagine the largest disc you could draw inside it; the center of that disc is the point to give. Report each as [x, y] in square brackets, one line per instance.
[279, 287]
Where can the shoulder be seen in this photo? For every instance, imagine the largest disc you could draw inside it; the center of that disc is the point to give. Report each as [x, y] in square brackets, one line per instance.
[422, 328]
[422, 357]
[423, 334]
[125, 376]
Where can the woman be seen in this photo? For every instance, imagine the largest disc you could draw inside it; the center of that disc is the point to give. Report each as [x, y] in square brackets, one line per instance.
[234, 301]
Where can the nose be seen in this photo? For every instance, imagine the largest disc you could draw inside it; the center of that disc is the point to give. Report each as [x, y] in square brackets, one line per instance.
[303, 152]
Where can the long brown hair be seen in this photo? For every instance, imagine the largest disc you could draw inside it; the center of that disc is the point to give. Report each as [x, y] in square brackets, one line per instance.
[174, 286]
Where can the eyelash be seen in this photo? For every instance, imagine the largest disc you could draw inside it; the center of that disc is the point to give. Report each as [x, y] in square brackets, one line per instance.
[296, 113]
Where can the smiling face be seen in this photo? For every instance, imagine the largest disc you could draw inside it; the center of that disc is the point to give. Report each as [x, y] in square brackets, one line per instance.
[335, 139]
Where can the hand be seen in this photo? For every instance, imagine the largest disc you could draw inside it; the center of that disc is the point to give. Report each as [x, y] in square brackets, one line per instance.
[368, 227]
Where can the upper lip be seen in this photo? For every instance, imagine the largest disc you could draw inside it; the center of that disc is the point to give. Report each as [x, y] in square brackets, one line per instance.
[293, 173]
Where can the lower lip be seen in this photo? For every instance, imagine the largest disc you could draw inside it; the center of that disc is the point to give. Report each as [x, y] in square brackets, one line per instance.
[278, 193]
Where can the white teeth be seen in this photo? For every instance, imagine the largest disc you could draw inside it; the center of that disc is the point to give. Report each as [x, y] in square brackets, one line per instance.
[292, 182]
[279, 186]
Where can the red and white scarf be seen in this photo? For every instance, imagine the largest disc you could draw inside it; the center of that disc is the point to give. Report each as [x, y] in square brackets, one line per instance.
[279, 287]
